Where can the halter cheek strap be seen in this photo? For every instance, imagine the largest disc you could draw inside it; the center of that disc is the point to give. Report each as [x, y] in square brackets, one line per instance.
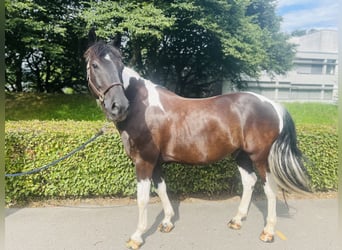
[101, 95]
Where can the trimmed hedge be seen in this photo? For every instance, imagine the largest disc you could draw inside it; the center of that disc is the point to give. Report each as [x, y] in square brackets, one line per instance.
[320, 145]
[103, 169]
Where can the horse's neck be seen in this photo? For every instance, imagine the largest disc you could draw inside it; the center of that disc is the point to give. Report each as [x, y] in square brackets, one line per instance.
[128, 73]
[133, 85]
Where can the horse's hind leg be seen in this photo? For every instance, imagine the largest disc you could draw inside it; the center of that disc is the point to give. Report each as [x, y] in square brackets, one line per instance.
[166, 225]
[270, 189]
[248, 178]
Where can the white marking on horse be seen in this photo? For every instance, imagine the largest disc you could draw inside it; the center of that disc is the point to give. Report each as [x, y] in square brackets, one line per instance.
[153, 95]
[107, 57]
[168, 210]
[248, 182]
[270, 189]
[278, 108]
[128, 73]
[143, 196]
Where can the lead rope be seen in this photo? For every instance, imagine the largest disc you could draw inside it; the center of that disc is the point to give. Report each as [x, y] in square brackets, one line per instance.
[53, 163]
[284, 197]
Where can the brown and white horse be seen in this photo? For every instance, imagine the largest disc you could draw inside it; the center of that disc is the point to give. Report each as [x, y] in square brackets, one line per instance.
[158, 126]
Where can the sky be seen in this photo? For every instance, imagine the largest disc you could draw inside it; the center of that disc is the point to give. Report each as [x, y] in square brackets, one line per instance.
[308, 14]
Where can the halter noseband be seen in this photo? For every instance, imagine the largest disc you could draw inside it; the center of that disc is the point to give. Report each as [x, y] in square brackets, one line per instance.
[99, 94]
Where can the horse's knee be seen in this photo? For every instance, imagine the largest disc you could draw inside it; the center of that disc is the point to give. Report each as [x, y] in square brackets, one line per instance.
[143, 192]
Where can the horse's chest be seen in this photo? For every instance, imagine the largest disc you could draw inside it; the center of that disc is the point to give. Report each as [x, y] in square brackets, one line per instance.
[125, 138]
[138, 143]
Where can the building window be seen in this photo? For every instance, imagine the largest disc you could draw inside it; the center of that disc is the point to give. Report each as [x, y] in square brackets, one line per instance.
[316, 69]
[330, 69]
[305, 92]
[309, 66]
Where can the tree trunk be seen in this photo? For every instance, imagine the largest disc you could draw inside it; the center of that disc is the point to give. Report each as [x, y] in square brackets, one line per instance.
[47, 76]
[40, 87]
[18, 75]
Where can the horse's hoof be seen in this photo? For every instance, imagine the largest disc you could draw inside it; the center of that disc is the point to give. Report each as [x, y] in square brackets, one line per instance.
[132, 244]
[266, 237]
[165, 227]
[233, 225]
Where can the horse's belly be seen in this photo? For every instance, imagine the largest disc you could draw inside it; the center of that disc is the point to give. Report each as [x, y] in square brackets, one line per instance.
[198, 152]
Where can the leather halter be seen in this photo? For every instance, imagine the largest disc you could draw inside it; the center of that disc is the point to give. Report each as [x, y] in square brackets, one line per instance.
[98, 93]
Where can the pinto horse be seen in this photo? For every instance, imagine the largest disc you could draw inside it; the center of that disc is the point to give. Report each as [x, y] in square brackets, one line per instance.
[157, 126]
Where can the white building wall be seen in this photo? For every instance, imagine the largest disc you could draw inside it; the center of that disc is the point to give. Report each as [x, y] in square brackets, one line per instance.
[313, 77]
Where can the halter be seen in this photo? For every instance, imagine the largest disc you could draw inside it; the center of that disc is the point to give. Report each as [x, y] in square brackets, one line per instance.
[99, 94]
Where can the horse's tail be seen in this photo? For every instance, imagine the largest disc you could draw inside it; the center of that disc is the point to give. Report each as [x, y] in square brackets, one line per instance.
[286, 161]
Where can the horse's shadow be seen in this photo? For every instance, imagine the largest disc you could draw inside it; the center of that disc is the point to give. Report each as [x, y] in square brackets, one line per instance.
[159, 218]
[283, 211]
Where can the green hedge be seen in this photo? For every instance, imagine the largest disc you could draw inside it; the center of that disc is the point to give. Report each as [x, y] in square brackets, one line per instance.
[320, 146]
[103, 169]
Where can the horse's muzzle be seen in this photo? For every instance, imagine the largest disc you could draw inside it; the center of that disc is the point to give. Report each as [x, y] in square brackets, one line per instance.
[116, 111]
[119, 113]
[115, 104]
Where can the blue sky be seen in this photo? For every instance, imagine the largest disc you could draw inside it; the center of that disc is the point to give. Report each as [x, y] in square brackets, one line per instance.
[308, 14]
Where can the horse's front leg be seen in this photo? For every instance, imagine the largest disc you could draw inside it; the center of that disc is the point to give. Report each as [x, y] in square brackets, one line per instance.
[143, 196]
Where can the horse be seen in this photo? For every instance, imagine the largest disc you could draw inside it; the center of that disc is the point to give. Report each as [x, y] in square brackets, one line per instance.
[157, 126]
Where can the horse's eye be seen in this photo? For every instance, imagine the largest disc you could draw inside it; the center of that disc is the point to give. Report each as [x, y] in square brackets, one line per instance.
[94, 65]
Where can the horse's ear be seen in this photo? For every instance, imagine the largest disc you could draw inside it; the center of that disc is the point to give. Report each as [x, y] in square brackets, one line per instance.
[92, 38]
[116, 41]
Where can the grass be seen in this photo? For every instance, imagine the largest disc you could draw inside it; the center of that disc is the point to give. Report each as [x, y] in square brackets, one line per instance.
[29, 106]
[81, 107]
[313, 113]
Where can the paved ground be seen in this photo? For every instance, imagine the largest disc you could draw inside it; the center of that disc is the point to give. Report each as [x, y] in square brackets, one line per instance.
[310, 224]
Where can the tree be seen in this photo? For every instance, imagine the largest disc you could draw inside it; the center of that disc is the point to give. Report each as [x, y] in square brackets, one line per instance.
[191, 46]
[279, 52]
[190, 55]
[42, 42]
[195, 45]
[138, 25]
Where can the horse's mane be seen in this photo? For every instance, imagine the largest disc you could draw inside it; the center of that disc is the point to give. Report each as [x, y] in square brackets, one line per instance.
[100, 49]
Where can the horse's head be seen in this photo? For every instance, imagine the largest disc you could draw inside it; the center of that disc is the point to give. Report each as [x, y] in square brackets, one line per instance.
[104, 71]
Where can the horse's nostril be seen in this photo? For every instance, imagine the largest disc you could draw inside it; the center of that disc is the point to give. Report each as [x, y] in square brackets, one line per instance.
[114, 105]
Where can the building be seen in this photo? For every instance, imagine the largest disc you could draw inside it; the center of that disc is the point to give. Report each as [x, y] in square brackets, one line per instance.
[314, 75]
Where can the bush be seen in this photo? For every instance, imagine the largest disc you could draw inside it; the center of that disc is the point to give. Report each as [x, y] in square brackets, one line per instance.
[103, 169]
[319, 144]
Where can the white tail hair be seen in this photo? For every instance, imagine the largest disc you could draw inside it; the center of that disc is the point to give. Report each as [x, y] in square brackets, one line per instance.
[286, 161]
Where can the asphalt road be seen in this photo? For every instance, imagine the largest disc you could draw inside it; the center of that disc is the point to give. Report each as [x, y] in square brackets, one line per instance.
[310, 224]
